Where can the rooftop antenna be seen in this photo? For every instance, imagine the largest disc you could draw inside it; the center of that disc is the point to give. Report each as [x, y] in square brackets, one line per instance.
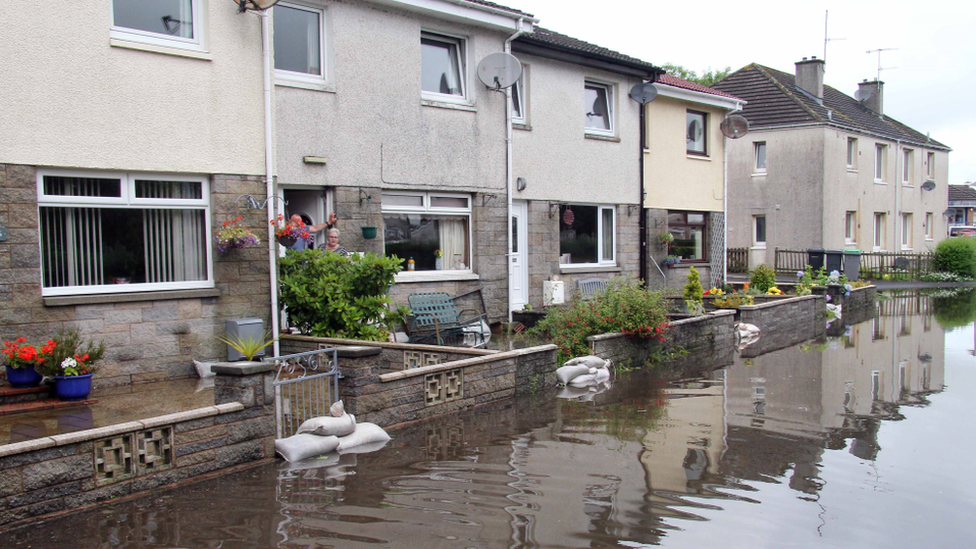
[880, 68]
[826, 13]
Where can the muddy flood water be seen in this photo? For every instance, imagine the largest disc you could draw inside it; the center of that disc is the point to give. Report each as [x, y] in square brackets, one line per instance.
[860, 440]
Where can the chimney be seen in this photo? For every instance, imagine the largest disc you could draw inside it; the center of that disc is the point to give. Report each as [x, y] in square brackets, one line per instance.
[871, 95]
[809, 76]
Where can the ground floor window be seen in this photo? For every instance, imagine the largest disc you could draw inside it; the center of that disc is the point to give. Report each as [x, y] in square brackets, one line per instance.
[586, 235]
[880, 220]
[690, 231]
[432, 229]
[117, 232]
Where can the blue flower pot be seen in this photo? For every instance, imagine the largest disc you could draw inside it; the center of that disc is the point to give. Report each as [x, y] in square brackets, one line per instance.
[73, 387]
[22, 378]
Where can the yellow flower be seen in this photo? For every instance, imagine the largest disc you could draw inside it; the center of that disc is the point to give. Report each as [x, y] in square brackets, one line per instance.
[774, 291]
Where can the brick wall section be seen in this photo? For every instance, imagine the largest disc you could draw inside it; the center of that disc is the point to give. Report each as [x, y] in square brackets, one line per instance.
[71, 471]
[147, 338]
[784, 322]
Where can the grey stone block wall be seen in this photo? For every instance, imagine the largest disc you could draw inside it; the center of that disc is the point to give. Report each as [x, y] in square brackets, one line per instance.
[146, 339]
[784, 322]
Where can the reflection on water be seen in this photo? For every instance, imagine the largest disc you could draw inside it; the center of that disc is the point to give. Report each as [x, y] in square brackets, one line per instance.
[852, 440]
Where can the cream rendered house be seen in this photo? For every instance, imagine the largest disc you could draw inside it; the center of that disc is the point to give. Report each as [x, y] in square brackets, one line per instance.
[822, 169]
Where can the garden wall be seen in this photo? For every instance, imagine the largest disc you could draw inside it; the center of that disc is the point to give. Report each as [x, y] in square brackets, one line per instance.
[784, 322]
[61, 473]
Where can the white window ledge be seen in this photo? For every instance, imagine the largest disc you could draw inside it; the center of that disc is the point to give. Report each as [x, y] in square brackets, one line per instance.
[588, 268]
[758, 247]
[876, 182]
[759, 174]
[450, 106]
[168, 50]
[304, 84]
[406, 277]
[851, 170]
[602, 137]
[698, 157]
[521, 126]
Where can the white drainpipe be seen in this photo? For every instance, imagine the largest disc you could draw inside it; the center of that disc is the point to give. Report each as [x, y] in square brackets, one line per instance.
[269, 178]
[508, 167]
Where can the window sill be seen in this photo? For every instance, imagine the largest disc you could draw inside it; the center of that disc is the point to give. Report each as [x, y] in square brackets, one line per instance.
[600, 137]
[851, 170]
[313, 85]
[759, 174]
[699, 157]
[584, 268]
[521, 126]
[70, 300]
[758, 247]
[877, 182]
[167, 50]
[909, 185]
[468, 107]
[405, 277]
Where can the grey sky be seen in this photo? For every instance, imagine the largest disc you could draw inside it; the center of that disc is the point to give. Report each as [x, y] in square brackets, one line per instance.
[930, 89]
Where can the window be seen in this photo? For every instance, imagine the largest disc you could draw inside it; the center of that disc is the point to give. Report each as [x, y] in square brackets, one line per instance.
[880, 163]
[118, 232]
[415, 225]
[442, 67]
[175, 23]
[759, 231]
[518, 100]
[690, 231]
[879, 230]
[908, 157]
[930, 166]
[760, 157]
[929, 225]
[850, 227]
[586, 235]
[696, 132]
[299, 52]
[906, 231]
[598, 99]
[852, 153]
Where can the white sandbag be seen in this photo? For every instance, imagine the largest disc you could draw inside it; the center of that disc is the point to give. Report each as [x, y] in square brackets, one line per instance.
[298, 447]
[583, 380]
[329, 426]
[363, 448]
[589, 361]
[365, 433]
[571, 392]
[602, 375]
[337, 409]
[566, 373]
[204, 368]
[327, 460]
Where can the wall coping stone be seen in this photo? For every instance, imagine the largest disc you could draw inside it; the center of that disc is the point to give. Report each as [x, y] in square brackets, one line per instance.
[779, 302]
[357, 351]
[388, 345]
[433, 368]
[68, 300]
[242, 368]
[26, 446]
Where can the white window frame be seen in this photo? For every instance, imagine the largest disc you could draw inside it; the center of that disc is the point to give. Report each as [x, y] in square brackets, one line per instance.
[460, 44]
[852, 154]
[907, 169]
[880, 162]
[518, 100]
[198, 10]
[704, 124]
[850, 227]
[303, 79]
[757, 147]
[611, 114]
[880, 228]
[930, 166]
[427, 208]
[929, 225]
[907, 231]
[128, 200]
[756, 243]
[601, 261]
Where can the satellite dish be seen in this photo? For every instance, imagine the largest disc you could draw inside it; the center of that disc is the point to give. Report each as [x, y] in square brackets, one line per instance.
[643, 93]
[863, 94]
[499, 70]
[950, 212]
[928, 185]
[734, 126]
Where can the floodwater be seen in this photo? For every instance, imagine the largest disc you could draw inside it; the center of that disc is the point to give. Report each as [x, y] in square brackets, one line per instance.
[862, 440]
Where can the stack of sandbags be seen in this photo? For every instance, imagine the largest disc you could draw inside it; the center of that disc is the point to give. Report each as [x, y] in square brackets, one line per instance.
[584, 371]
[336, 432]
[745, 335]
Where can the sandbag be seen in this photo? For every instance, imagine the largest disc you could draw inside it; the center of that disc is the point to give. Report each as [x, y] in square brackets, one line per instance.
[329, 426]
[365, 433]
[204, 368]
[565, 374]
[363, 448]
[589, 361]
[298, 447]
[337, 409]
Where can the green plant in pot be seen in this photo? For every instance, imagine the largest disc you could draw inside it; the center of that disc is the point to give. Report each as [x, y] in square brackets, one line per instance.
[248, 345]
[23, 362]
[72, 364]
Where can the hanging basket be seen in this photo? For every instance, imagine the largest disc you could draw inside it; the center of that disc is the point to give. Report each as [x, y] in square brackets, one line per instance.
[287, 241]
[369, 233]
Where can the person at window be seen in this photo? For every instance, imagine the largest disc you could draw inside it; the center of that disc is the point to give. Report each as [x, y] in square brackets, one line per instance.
[332, 243]
[301, 220]
[330, 224]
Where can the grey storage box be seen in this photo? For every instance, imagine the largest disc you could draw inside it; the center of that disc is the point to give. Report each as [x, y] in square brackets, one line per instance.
[244, 328]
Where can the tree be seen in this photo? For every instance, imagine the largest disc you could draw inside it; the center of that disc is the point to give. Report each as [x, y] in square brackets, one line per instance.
[708, 78]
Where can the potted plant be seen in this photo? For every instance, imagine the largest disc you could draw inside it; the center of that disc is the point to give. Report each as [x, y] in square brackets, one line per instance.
[665, 239]
[289, 232]
[438, 259]
[248, 345]
[72, 365]
[671, 261]
[23, 361]
[231, 236]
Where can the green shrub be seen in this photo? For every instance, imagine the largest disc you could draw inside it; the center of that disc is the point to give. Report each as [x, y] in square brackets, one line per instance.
[624, 307]
[956, 255]
[763, 278]
[693, 289]
[330, 295]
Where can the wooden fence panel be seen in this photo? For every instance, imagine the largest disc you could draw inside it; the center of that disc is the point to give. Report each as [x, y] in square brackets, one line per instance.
[738, 260]
[910, 266]
[789, 261]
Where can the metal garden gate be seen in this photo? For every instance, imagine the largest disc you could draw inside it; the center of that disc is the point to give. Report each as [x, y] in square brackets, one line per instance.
[305, 386]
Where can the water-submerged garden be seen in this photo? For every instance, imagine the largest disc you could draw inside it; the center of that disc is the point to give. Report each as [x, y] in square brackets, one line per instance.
[858, 439]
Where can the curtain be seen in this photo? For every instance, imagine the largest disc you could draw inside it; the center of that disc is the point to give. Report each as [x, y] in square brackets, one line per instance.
[453, 240]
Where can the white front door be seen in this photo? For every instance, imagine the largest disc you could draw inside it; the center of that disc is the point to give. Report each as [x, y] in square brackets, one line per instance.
[518, 281]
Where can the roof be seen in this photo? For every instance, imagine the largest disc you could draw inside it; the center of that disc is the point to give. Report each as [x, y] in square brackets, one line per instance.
[687, 85]
[775, 100]
[500, 7]
[552, 39]
[962, 193]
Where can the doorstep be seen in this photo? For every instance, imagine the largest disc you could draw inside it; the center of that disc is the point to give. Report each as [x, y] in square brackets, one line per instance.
[13, 395]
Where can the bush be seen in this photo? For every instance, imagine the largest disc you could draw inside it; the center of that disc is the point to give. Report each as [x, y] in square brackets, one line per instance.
[693, 289]
[623, 307]
[956, 255]
[763, 278]
[330, 295]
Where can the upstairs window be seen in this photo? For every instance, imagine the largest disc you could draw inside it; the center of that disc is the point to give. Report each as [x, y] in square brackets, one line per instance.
[880, 163]
[518, 101]
[760, 166]
[586, 235]
[908, 159]
[695, 133]
[851, 153]
[598, 101]
[442, 67]
[299, 52]
[174, 23]
[930, 166]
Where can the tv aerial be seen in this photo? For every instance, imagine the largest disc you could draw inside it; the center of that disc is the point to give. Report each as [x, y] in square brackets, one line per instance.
[499, 70]
[734, 126]
[643, 93]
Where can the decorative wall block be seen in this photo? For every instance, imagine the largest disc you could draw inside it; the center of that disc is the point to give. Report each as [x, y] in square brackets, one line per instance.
[443, 386]
[155, 450]
[416, 359]
[113, 459]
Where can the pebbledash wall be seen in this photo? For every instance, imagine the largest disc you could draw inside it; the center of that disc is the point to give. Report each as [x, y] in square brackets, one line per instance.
[149, 335]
